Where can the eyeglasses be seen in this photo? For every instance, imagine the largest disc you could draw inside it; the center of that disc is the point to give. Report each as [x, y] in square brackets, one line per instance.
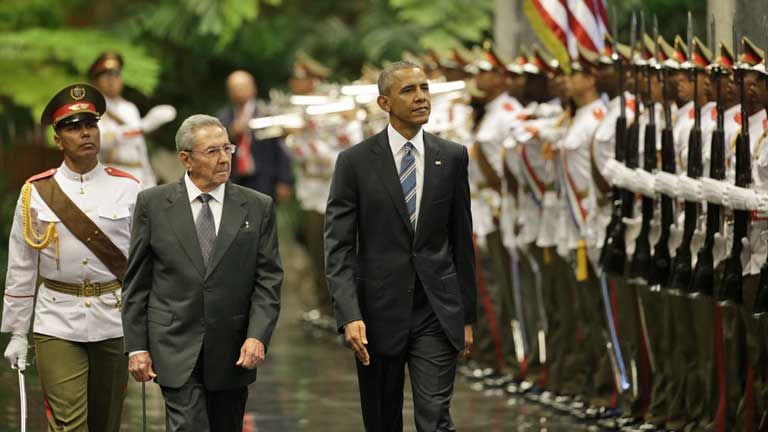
[212, 152]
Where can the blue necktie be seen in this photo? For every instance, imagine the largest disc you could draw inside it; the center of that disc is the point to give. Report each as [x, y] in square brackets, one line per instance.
[408, 181]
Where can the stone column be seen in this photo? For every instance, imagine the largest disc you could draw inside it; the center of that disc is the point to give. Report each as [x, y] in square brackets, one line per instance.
[511, 29]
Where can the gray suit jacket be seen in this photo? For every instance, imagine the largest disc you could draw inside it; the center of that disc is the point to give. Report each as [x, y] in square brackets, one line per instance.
[174, 306]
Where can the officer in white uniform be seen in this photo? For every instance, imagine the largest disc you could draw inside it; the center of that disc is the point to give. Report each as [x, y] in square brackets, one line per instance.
[72, 228]
[122, 127]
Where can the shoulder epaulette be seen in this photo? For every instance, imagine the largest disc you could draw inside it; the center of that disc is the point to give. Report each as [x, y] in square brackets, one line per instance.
[120, 173]
[42, 175]
[508, 106]
[598, 113]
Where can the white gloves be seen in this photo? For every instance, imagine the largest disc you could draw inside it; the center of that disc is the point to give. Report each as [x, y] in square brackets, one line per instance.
[16, 351]
[643, 183]
[712, 191]
[665, 183]
[697, 241]
[618, 174]
[746, 253]
[675, 239]
[720, 249]
[739, 198]
[688, 189]
[157, 117]
[551, 134]
[631, 232]
[762, 203]
[655, 233]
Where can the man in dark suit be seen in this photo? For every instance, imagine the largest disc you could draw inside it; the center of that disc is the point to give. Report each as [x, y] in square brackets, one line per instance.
[399, 258]
[262, 165]
[202, 292]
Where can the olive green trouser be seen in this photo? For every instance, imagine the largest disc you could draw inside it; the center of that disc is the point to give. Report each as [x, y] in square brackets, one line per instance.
[531, 287]
[83, 383]
[655, 308]
[567, 360]
[599, 385]
[753, 403]
[313, 232]
[555, 300]
[629, 330]
[494, 333]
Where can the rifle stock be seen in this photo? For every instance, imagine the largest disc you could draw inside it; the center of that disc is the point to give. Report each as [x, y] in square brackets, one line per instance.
[730, 288]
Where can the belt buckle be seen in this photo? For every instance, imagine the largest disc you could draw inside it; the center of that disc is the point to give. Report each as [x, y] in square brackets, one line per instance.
[89, 290]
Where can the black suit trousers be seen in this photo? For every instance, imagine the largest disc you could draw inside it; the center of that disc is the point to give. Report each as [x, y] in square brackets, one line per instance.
[431, 360]
[194, 408]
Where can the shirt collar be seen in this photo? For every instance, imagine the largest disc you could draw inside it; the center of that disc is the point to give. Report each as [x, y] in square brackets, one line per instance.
[397, 141]
[193, 191]
[81, 178]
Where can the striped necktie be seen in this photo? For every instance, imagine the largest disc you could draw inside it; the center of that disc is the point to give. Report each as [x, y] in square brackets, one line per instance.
[408, 181]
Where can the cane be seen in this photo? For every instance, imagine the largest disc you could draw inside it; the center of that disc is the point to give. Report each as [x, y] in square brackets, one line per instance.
[22, 399]
[143, 407]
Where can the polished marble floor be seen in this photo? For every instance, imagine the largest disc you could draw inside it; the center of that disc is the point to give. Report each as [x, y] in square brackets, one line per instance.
[308, 383]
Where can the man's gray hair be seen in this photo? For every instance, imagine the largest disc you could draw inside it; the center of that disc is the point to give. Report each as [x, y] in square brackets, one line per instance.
[385, 77]
[185, 136]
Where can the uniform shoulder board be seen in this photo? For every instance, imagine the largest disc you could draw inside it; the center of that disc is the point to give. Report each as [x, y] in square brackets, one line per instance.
[508, 106]
[42, 175]
[120, 173]
[598, 113]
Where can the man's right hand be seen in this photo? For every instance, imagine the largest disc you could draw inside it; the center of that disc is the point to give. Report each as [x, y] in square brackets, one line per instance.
[354, 334]
[16, 351]
[140, 366]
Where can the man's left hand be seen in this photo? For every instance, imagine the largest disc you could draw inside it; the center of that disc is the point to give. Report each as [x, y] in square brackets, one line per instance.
[251, 354]
[469, 341]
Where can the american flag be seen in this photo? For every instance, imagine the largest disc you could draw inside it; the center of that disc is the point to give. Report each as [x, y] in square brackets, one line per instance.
[563, 24]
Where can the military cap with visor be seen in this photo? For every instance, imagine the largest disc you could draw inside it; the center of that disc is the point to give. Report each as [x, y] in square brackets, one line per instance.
[701, 57]
[74, 103]
[107, 62]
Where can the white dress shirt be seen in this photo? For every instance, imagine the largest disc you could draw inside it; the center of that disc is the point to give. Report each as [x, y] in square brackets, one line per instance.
[397, 145]
[216, 203]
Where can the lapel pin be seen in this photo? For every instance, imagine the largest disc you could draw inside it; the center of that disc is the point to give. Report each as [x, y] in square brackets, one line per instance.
[438, 162]
[247, 225]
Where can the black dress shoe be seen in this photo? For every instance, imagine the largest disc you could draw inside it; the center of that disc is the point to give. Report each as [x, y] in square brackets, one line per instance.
[598, 413]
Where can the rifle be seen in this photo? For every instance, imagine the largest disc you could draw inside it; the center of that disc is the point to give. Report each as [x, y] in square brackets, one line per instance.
[633, 140]
[681, 265]
[703, 274]
[661, 258]
[761, 300]
[614, 253]
[732, 276]
[641, 260]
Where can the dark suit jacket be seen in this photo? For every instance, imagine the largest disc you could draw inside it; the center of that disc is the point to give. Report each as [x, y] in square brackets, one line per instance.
[173, 306]
[272, 165]
[373, 255]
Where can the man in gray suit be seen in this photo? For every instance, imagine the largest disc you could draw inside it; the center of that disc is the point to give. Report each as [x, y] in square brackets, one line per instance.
[202, 291]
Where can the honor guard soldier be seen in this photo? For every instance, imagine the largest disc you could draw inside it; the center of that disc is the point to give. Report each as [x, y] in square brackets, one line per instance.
[71, 228]
[122, 127]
